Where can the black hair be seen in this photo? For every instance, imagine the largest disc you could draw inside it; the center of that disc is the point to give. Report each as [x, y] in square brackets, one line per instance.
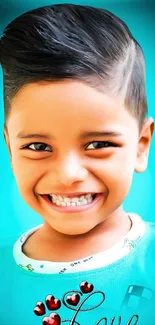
[68, 41]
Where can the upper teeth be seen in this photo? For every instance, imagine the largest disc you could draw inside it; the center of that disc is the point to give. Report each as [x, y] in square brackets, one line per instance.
[71, 201]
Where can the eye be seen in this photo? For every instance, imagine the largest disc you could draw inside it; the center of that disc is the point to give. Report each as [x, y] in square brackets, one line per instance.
[37, 146]
[100, 145]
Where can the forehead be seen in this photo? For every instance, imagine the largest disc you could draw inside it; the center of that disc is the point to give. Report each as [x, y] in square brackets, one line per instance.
[58, 104]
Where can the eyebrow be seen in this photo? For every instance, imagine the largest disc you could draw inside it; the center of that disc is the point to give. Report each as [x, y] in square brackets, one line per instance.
[83, 136]
[100, 134]
[22, 135]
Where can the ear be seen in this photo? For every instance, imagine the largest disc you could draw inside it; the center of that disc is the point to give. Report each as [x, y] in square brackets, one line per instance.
[144, 145]
[7, 141]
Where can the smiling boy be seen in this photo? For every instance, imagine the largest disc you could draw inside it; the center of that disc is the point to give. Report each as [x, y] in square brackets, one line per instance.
[76, 127]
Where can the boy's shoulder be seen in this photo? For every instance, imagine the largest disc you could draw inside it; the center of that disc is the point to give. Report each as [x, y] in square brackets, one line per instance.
[6, 256]
[8, 242]
[146, 252]
[6, 247]
[148, 240]
[144, 231]
[150, 229]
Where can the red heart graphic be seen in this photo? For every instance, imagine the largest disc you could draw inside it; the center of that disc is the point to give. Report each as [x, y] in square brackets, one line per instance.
[52, 303]
[86, 287]
[53, 319]
[73, 300]
[39, 309]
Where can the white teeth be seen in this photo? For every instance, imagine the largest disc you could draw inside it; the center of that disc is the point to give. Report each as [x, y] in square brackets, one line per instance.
[71, 201]
[54, 196]
[75, 199]
[88, 196]
[57, 202]
[66, 199]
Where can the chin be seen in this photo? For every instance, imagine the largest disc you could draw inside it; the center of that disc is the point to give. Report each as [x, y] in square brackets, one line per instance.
[72, 231]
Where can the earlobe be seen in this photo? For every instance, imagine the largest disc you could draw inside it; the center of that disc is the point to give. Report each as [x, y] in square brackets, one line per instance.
[7, 141]
[144, 145]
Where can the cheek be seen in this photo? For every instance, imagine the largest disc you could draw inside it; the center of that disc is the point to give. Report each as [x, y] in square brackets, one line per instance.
[116, 172]
[27, 173]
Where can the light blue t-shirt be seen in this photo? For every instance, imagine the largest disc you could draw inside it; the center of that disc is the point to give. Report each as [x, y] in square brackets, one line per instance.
[120, 293]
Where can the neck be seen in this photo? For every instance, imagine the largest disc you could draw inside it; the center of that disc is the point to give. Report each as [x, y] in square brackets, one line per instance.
[59, 247]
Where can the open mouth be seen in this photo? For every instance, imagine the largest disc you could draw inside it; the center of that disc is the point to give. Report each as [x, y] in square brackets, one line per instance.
[72, 204]
[72, 201]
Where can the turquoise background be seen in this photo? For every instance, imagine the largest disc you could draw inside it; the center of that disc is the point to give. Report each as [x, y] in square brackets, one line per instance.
[15, 216]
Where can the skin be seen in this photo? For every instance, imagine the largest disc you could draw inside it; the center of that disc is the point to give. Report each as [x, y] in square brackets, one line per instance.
[64, 110]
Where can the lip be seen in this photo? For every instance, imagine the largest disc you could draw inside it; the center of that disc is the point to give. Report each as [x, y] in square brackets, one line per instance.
[72, 194]
[76, 209]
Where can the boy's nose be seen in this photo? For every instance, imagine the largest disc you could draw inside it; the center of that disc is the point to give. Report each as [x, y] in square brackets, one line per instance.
[70, 171]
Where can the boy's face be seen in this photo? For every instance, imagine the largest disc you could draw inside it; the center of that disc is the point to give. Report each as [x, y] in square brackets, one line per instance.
[60, 113]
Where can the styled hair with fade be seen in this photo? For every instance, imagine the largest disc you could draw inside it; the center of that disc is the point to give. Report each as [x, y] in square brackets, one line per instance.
[68, 41]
